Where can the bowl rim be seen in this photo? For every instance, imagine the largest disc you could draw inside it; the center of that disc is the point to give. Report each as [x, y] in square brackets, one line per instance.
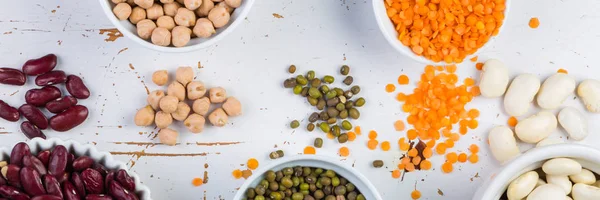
[309, 158]
[381, 17]
[245, 9]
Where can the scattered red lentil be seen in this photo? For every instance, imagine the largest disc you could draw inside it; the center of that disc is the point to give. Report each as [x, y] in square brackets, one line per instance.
[474, 59]
[344, 151]
[451, 157]
[425, 165]
[390, 88]
[372, 134]
[252, 163]
[416, 194]
[462, 157]
[512, 121]
[309, 150]
[474, 148]
[534, 22]
[357, 130]
[396, 174]
[447, 167]
[403, 79]
[198, 181]
[399, 125]
[372, 144]
[351, 136]
[473, 158]
[479, 66]
[561, 70]
[237, 174]
[385, 146]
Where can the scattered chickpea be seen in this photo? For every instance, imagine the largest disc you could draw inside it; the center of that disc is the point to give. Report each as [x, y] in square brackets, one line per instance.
[217, 95]
[145, 28]
[192, 4]
[218, 16]
[122, 11]
[161, 36]
[154, 98]
[234, 3]
[195, 123]
[155, 12]
[204, 8]
[167, 1]
[232, 106]
[183, 110]
[118, 1]
[144, 116]
[201, 106]
[180, 36]
[204, 28]
[195, 90]
[227, 7]
[165, 22]
[177, 90]
[184, 75]
[137, 15]
[163, 119]
[168, 136]
[160, 77]
[171, 8]
[145, 4]
[168, 104]
[185, 17]
[218, 117]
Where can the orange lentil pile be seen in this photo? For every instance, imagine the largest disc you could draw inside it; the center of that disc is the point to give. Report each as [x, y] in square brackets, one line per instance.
[445, 30]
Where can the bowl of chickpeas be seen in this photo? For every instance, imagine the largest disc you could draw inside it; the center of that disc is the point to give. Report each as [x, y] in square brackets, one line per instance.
[176, 25]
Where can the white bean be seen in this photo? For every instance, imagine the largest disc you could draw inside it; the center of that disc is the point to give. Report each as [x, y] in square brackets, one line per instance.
[547, 192]
[540, 182]
[555, 90]
[562, 181]
[520, 94]
[597, 183]
[549, 141]
[561, 166]
[589, 92]
[522, 185]
[494, 79]
[536, 127]
[574, 123]
[585, 177]
[503, 143]
[585, 192]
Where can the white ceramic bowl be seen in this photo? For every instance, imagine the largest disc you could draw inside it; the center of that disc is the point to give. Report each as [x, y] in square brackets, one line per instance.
[129, 30]
[353, 176]
[389, 32]
[36, 145]
[496, 185]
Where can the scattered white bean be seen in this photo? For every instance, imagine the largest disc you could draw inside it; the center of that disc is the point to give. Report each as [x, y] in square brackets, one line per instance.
[549, 141]
[547, 192]
[585, 192]
[155, 12]
[585, 177]
[185, 17]
[562, 181]
[561, 166]
[204, 28]
[520, 94]
[161, 36]
[494, 79]
[181, 36]
[201, 106]
[154, 98]
[574, 123]
[522, 185]
[122, 11]
[145, 27]
[195, 123]
[219, 16]
[195, 90]
[503, 143]
[536, 127]
[555, 90]
[168, 136]
[589, 92]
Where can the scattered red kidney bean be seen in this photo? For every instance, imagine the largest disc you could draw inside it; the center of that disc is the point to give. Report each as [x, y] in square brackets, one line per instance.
[46, 197]
[11, 76]
[12, 175]
[32, 182]
[31, 131]
[35, 163]
[12, 193]
[39, 97]
[44, 156]
[58, 161]
[8, 112]
[69, 191]
[82, 163]
[69, 119]
[61, 104]
[125, 180]
[52, 186]
[51, 78]
[98, 197]
[40, 65]
[78, 183]
[93, 181]
[117, 191]
[34, 115]
[19, 151]
[76, 87]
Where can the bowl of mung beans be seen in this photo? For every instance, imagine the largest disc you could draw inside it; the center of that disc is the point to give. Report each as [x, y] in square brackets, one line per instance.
[307, 177]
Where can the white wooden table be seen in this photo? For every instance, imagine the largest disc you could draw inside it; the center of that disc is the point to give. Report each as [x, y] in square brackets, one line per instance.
[251, 64]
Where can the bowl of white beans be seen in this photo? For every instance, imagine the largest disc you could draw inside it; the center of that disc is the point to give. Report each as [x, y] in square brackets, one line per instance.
[557, 171]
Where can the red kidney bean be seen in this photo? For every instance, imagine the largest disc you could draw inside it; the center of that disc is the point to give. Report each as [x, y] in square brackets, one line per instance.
[70, 160]
[78, 183]
[61, 104]
[93, 182]
[20, 150]
[52, 186]
[35, 163]
[12, 193]
[12, 175]
[39, 97]
[51, 78]
[69, 119]
[39, 66]
[118, 192]
[44, 156]
[76, 87]
[82, 163]
[31, 131]
[8, 112]
[2, 180]
[58, 161]
[11, 76]
[34, 115]
[64, 177]
[100, 168]
[46, 197]
[31, 182]
[98, 197]
[69, 191]
[110, 177]
[125, 180]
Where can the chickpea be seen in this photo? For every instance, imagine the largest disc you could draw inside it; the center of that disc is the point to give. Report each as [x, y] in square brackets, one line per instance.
[168, 104]
[171, 8]
[183, 110]
[122, 11]
[192, 4]
[195, 123]
[154, 98]
[137, 15]
[204, 8]
[218, 16]
[168, 136]
[185, 17]
[232, 106]
[180, 36]
[160, 77]
[165, 22]
[144, 116]
[145, 27]
[217, 95]
[201, 106]
[204, 28]
[217, 1]
[179, 1]
[145, 4]
[155, 12]
[131, 2]
[167, 1]
[163, 119]
[233, 3]
[161, 37]
[218, 117]
[227, 7]
[195, 90]
[184, 75]
[177, 90]
[118, 1]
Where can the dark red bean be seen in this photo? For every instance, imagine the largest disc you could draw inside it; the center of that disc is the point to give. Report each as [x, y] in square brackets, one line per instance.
[58, 161]
[70, 160]
[34, 115]
[93, 181]
[35, 163]
[2, 180]
[39, 97]
[52, 186]
[76, 87]
[12, 175]
[32, 182]
[78, 183]
[125, 180]
[44, 156]
[19, 151]
[69, 119]
[12, 193]
[64, 177]
[12, 76]
[110, 177]
[51, 78]
[69, 191]
[98, 197]
[31, 131]
[82, 163]
[8, 112]
[118, 192]
[100, 168]
[39, 66]
[61, 104]
[46, 197]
